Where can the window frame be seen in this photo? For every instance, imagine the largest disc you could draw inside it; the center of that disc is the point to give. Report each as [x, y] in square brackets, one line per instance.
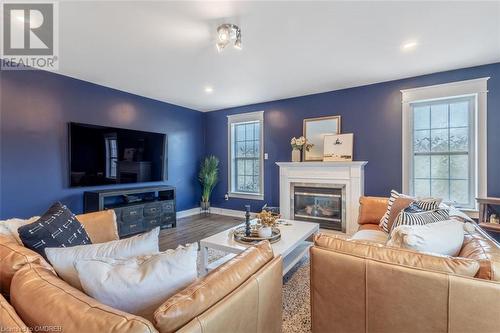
[478, 126]
[245, 118]
[470, 99]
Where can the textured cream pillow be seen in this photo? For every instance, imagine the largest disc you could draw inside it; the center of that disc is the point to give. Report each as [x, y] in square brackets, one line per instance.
[443, 237]
[138, 285]
[376, 236]
[11, 225]
[63, 258]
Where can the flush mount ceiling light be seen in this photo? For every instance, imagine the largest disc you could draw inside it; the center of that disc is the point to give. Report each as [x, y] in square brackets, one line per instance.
[228, 34]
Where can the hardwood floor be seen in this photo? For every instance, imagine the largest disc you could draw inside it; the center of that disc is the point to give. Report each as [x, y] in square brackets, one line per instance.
[193, 228]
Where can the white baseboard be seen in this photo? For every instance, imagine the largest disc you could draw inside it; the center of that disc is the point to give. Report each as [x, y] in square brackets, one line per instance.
[188, 212]
[227, 212]
[213, 210]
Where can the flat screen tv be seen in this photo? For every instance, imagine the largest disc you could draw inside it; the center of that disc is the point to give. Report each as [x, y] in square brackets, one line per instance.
[101, 155]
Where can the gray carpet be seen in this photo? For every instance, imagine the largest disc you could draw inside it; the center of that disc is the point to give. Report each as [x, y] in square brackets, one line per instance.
[296, 301]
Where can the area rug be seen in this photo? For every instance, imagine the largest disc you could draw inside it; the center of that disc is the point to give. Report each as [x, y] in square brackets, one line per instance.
[296, 300]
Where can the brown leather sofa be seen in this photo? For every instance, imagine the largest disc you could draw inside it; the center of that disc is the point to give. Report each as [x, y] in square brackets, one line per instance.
[243, 295]
[364, 286]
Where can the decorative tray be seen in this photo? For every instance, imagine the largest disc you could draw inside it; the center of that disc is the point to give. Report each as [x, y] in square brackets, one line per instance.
[240, 237]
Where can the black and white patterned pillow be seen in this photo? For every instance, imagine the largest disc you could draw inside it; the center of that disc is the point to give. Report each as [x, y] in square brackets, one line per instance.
[428, 203]
[58, 227]
[423, 204]
[414, 215]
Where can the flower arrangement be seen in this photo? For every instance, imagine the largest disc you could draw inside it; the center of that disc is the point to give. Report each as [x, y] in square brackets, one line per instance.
[267, 219]
[300, 143]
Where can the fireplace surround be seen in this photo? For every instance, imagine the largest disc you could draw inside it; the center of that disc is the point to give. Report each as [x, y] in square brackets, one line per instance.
[309, 192]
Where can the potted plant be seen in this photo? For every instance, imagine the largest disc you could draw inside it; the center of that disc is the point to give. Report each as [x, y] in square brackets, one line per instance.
[297, 145]
[208, 177]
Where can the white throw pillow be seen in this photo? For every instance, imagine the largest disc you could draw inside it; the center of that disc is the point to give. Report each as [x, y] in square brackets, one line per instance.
[138, 285]
[4, 231]
[63, 258]
[9, 227]
[443, 237]
[455, 213]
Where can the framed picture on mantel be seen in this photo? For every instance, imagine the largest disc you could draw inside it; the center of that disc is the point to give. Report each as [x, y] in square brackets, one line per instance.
[315, 130]
[338, 147]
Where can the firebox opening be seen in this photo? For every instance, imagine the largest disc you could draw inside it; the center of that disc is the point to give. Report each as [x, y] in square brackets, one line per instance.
[320, 204]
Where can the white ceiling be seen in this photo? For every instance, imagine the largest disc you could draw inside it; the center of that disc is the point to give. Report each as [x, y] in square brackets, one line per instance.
[166, 50]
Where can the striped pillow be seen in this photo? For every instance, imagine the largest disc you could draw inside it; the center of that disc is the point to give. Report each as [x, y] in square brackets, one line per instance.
[410, 216]
[428, 203]
[385, 219]
[424, 204]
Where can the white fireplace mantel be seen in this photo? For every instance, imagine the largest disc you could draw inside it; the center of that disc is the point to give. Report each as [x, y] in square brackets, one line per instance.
[348, 174]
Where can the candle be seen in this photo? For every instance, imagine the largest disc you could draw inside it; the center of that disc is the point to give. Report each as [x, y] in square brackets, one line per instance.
[247, 220]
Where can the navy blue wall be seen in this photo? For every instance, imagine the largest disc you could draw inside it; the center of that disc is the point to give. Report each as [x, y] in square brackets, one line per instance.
[35, 109]
[372, 113]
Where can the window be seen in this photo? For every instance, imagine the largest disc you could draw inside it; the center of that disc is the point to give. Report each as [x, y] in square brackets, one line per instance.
[246, 167]
[443, 150]
[444, 142]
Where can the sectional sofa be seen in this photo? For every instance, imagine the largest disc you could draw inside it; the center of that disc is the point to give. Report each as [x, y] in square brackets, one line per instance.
[243, 295]
[362, 285]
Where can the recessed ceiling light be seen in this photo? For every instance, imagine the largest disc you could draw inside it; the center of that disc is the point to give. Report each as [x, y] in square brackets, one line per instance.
[409, 45]
[209, 90]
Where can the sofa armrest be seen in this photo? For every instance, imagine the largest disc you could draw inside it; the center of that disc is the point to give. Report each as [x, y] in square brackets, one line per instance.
[254, 307]
[242, 295]
[371, 209]
[9, 320]
[356, 294]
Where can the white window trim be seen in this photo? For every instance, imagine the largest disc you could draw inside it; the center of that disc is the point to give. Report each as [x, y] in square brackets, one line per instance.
[476, 87]
[240, 118]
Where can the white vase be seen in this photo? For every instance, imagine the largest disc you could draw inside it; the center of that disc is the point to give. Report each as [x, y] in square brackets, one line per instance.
[265, 232]
[296, 155]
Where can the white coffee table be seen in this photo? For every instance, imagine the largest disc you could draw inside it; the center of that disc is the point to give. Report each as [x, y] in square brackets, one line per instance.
[292, 245]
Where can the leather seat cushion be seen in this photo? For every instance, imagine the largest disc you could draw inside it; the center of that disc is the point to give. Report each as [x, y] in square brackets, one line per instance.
[409, 258]
[370, 226]
[371, 209]
[12, 258]
[100, 226]
[179, 309]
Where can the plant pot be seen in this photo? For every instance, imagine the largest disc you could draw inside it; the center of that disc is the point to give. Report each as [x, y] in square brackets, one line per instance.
[265, 232]
[205, 205]
[296, 154]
